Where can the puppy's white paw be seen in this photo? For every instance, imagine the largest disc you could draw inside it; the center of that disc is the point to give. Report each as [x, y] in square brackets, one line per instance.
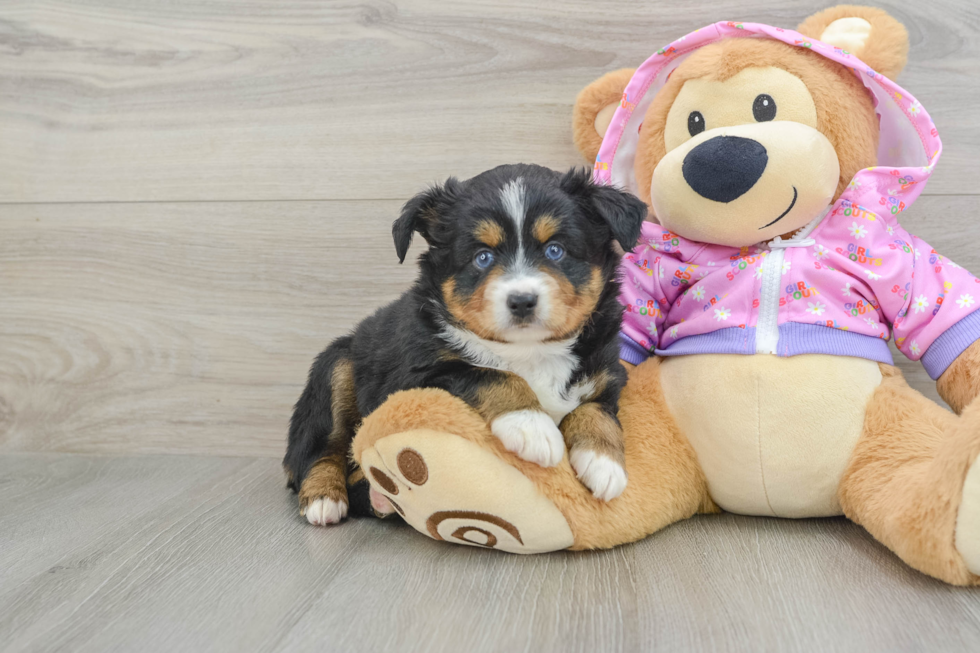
[598, 472]
[532, 435]
[324, 511]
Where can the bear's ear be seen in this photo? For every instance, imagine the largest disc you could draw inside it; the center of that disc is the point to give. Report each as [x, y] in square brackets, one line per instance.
[868, 33]
[594, 109]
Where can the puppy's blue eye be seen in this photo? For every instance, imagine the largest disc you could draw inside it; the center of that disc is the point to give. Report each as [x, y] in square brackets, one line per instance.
[554, 251]
[483, 259]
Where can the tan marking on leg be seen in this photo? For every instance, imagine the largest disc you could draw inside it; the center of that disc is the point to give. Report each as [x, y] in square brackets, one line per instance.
[499, 397]
[545, 227]
[356, 477]
[592, 428]
[343, 402]
[327, 478]
[489, 233]
[600, 381]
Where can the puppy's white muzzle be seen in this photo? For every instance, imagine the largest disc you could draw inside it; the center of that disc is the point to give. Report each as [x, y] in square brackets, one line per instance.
[521, 304]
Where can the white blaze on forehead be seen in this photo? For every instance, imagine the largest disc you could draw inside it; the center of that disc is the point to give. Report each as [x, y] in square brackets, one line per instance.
[512, 196]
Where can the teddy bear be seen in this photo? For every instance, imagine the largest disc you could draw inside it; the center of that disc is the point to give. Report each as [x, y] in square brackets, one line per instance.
[758, 304]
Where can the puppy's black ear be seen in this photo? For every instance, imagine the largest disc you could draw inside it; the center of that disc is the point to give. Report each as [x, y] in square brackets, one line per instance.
[421, 214]
[622, 212]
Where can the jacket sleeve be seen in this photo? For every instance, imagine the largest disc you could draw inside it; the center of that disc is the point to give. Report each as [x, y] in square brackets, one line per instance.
[930, 301]
[653, 275]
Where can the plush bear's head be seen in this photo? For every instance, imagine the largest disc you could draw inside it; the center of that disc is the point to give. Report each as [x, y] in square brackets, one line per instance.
[752, 138]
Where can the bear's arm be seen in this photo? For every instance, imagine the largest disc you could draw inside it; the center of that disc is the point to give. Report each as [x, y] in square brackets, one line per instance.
[960, 383]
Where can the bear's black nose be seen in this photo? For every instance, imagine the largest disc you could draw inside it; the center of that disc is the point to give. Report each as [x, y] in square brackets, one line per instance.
[724, 168]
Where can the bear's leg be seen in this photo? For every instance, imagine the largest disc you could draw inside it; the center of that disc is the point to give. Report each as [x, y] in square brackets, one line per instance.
[442, 469]
[665, 483]
[906, 478]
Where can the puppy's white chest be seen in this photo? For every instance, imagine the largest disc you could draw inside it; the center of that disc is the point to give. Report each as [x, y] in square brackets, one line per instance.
[547, 367]
[548, 376]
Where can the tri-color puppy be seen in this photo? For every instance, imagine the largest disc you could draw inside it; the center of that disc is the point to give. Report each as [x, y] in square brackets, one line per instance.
[515, 311]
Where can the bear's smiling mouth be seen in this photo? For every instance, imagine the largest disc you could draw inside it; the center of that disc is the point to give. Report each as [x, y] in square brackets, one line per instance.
[783, 214]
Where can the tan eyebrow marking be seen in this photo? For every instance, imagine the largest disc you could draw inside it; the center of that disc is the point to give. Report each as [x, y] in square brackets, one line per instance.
[545, 227]
[489, 233]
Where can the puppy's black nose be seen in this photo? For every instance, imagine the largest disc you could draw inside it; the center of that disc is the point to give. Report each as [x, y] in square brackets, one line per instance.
[724, 168]
[522, 305]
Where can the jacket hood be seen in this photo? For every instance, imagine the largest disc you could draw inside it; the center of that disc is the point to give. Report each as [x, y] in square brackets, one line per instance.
[909, 145]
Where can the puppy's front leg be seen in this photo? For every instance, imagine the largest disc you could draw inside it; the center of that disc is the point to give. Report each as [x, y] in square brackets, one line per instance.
[516, 417]
[513, 412]
[595, 445]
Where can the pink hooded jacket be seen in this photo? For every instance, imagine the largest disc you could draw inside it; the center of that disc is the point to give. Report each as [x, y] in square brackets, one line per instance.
[839, 286]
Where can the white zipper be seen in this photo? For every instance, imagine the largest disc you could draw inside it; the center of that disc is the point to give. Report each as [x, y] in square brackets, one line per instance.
[767, 326]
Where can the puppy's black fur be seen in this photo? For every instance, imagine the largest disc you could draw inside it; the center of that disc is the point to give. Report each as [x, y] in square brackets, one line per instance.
[400, 346]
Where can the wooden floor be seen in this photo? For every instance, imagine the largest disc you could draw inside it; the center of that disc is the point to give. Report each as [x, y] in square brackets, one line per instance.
[195, 197]
[187, 553]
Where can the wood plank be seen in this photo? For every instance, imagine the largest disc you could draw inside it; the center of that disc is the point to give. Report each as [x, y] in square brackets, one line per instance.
[178, 328]
[212, 556]
[731, 583]
[109, 100]
[189, 328]
[224, 563]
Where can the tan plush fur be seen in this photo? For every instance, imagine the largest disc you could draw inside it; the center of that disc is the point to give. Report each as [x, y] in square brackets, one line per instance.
[960, 383]
[665, 481]
[845, 113]
[604, 91]
[887, 48]
[906, 476]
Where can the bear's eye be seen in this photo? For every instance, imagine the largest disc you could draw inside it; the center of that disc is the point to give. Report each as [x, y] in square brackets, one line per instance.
[695, 123]
[764, 108]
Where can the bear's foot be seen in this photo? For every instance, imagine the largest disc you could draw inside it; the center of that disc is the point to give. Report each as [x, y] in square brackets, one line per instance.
[968, 520]
[967, 534]
[454, 490]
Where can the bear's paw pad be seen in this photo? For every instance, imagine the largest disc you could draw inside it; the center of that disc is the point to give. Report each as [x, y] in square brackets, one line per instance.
[455, 490]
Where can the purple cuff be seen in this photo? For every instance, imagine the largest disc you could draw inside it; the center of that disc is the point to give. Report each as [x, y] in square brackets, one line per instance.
[630, 351]
[950, 344]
